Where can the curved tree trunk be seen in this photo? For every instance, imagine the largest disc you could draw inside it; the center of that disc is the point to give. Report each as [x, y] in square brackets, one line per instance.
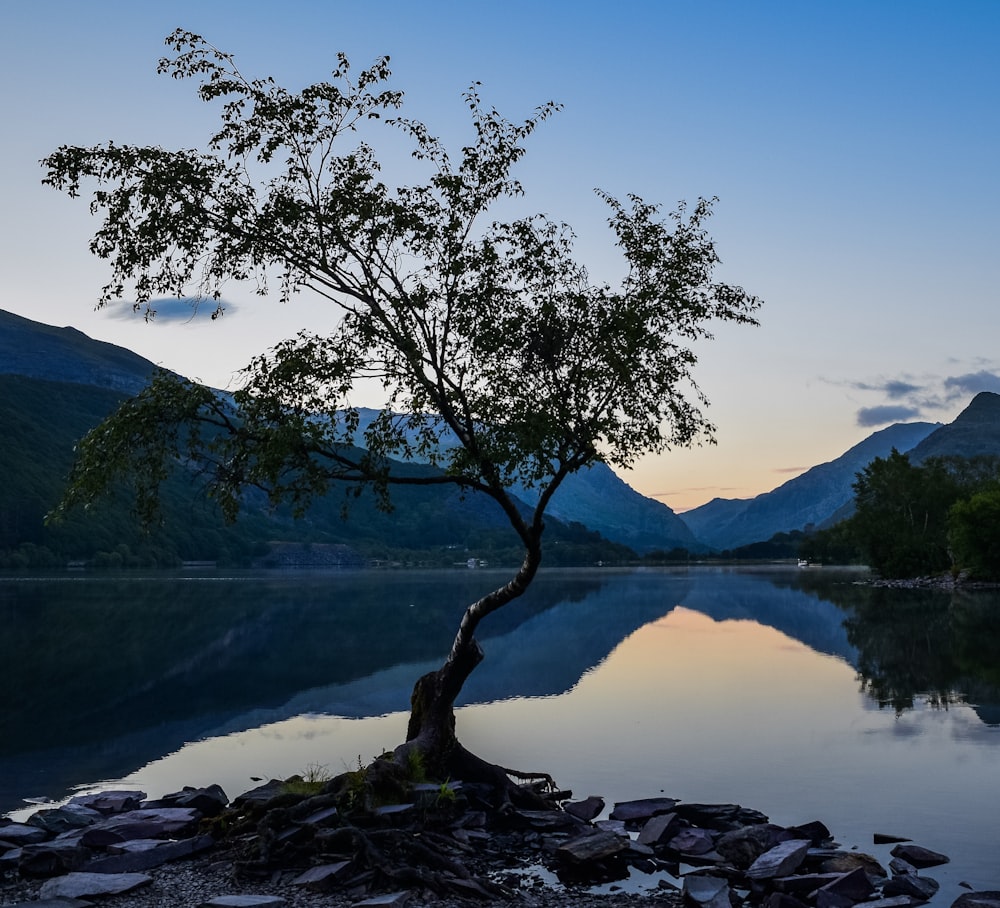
[431, 729]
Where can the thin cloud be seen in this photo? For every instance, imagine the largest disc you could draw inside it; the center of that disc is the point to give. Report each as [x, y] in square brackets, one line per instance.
[173, 311]
[790, 469]
[886, 414]
[972, 383]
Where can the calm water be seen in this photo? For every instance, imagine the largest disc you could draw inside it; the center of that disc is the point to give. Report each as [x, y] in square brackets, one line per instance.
[796, 692]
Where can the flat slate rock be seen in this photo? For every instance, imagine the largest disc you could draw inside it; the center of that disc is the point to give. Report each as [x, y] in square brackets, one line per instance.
[782, 860]
[986, 899]
[109, 802]
[244, 901]
[586, 809]
[147, 859]
[643, 809]
[707, 891]
[912, 854]
[53, 903]
[595, 846]
[386, 900]
[77, 885]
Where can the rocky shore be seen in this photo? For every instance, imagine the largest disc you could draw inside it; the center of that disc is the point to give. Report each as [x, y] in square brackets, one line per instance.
[289, 843]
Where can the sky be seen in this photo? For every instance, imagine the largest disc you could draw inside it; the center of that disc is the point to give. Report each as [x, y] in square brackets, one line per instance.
[853, 147]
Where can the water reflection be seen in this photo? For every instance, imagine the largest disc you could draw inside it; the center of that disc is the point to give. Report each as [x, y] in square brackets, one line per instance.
[108, 674]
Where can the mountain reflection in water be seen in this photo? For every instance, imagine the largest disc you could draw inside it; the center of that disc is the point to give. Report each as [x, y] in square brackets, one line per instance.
[714, 683]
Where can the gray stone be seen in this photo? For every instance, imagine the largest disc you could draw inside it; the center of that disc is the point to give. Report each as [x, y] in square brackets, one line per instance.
[883, 838]
[322, 878]
[22, 834]
[741, 847]
[586, 809]
[832, 900]
[210, 801]
[642, 810]
[721, 817]
[51, 858]
[692, 841]
[897, 901]
[899, 867]
[262, 793]
[148, 858]
[845, 861]
[321, 816]
[781, 860]
[64, 819]
[782, 900]
[54, 903]
[593, 846]
[707, 891]
[658, 829]
[157, 822]
[244, 901]
[386, 900]
[913, 854]
[853, 885]
[984, 899]
[919, 887]
[82, 885]
[547, 820]
[109, 802]
[816, 831]
[804, 882]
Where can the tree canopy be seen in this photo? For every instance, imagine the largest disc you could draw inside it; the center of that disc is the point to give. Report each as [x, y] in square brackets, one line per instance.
[500, 359]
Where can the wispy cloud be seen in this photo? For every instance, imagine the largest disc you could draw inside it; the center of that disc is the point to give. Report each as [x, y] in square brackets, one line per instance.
[906, 397]
[885, 414]
[172, 311]
[972, 383]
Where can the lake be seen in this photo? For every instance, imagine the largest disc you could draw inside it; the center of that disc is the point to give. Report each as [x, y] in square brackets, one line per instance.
[797, 692]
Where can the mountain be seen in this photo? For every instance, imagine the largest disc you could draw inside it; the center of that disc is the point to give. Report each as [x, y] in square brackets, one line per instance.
[811, 498]
[75, 381]
[975, 431]
[35, 350]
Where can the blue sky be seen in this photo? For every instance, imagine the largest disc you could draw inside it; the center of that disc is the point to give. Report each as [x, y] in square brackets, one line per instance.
[853, 147]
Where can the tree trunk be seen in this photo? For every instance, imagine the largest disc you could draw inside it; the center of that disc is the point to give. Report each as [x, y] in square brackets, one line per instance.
[431, 729]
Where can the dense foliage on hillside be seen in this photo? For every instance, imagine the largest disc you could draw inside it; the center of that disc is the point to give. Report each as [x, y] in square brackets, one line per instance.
[913, 520]
[40, 422]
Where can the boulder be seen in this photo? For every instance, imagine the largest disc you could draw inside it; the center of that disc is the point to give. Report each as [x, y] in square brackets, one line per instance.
[594, 846]
[845, 861]
[47, 859]
[918, 887]
[641, 810]
[913, 854]
[985, 899]
[586, 809]
[156, 822]
[244, 901]
[84, 885]
[692, 841]
[722, 817]
[209, 801]
[853, 886]
[22, 834]
[109, 802]
[781, 860]
[707, 891]
[743, 846]
[323, 878]
[386, 900]
[659, 829]
[148, 857]
[816, 831]
[64, 819]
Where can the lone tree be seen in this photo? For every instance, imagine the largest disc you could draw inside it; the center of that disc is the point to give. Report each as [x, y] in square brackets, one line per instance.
[500, 360]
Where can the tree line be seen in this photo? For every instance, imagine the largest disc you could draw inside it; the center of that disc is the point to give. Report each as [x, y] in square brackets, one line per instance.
[913, 520]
